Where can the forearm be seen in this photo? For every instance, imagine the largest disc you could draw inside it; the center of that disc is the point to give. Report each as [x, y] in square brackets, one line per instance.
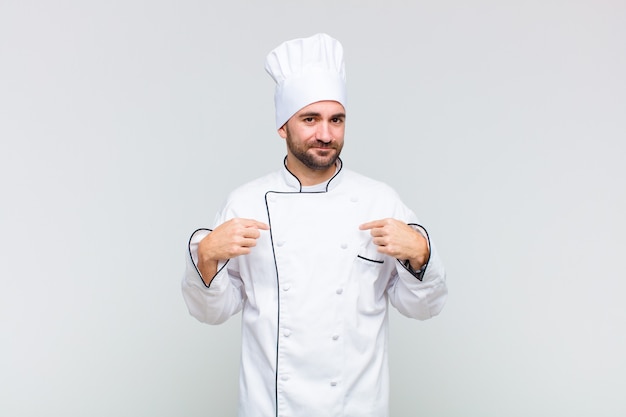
[212, 305]
[418, 256]
[420, 299]
[207, 270]
[212, 296]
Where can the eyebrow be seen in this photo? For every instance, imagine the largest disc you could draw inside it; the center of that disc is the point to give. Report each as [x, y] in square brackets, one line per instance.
[315, 114]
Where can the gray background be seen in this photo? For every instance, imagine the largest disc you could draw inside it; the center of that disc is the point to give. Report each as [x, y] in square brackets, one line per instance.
[123, 125]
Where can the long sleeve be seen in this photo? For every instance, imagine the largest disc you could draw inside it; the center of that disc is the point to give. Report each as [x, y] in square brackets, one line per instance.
[419, 299]
[422, 295]
[222, 298]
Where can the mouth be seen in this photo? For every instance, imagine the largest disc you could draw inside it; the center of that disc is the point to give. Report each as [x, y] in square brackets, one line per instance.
[323, 148]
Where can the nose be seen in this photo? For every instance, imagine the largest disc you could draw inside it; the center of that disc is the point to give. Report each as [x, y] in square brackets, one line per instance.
[323, 132]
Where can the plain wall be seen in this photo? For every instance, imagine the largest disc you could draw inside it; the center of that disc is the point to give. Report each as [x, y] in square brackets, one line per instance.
[123, 124]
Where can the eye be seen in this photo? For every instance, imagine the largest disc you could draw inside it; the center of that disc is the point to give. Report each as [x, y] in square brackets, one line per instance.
[337, 120]
[308, 120]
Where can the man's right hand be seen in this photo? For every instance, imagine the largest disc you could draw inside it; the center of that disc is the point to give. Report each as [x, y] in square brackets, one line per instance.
[230, 239]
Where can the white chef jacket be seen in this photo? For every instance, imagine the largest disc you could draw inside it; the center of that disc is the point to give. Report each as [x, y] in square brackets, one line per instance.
[314, 293]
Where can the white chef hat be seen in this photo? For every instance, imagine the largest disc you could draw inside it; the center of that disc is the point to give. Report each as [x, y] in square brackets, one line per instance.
[306, 70]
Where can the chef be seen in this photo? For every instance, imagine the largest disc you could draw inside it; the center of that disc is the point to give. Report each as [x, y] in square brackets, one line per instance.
[313, 254]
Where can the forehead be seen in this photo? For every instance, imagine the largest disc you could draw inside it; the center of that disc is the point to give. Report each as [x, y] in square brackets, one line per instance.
[326, 107]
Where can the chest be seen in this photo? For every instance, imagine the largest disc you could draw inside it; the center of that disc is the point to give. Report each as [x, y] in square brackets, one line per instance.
[316, 224]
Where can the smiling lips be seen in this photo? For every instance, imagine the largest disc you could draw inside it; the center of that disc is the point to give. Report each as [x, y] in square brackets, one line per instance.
[324, 147]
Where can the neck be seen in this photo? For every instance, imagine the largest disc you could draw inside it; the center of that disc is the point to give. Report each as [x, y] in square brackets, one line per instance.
[308, 176]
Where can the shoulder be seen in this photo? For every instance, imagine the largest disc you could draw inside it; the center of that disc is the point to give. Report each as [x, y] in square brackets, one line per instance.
[249, 198]
[374, 187]
[378, 198]
[254, 189]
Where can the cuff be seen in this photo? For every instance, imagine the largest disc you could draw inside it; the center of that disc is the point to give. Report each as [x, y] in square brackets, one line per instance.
[194, 240]
[418, 273]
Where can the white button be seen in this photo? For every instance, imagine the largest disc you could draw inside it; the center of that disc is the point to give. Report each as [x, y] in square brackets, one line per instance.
[280, 243]
[286, 332]
[284, 377]
[333, 383]
[286, 287]
[344, 245]
[339, 291]
[335, 336]
[354, 199]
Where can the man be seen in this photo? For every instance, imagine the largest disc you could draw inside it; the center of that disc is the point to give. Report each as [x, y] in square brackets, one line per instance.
[313, 254]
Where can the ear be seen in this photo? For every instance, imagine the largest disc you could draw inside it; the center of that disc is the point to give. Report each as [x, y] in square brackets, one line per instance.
[282, 131]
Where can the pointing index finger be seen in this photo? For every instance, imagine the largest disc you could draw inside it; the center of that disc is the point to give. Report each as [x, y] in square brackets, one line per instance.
[371, 225]
[257, 224]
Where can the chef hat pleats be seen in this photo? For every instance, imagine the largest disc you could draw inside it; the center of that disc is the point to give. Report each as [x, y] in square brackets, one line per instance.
[306, 70]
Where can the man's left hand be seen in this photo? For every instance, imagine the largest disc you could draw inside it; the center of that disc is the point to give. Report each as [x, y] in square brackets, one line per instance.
[398, 239]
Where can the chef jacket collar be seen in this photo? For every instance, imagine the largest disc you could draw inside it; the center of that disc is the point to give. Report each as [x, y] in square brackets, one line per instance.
[294, 184]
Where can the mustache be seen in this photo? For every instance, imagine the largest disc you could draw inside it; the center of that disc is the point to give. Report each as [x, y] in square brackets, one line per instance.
[324, 145]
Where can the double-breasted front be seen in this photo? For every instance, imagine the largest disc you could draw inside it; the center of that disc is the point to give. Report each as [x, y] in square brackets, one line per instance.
[314, 293]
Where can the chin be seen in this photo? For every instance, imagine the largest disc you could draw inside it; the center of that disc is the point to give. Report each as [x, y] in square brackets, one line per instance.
[326, 163]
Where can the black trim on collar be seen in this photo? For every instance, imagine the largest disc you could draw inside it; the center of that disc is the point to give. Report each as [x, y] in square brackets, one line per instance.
[292, 174]
[300, 183]
[336, 173]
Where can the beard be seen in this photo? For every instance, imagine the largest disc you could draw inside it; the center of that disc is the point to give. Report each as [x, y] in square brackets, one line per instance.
[313, 160]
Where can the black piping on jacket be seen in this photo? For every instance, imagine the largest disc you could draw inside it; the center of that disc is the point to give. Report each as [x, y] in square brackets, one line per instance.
[419, 274]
